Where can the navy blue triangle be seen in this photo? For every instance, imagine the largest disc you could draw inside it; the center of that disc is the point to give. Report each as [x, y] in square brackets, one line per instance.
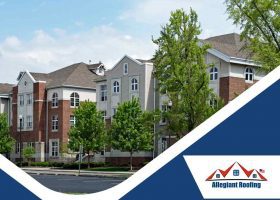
[252, 130]
[11, 189]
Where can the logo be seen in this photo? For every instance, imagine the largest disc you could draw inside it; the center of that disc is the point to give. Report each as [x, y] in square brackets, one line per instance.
[237, 176]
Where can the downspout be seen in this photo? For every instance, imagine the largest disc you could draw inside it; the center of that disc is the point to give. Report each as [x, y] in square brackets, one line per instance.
[154, 149]
[47, 129]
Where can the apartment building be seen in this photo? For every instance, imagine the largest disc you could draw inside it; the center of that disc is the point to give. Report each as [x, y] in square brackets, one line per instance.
[5, 99]
[43, 105]
[127, 79]
[232, 72]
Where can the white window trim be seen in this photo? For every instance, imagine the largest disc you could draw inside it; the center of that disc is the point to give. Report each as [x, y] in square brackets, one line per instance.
[125, 71]
[29, 100]
[55, 100]
[214, 73]
[249, 73]
[29, 122]
[51, 147]
[21, 96]
[113, 88]
[103, 92]
[134, 84]
[72, 121]
[75, 99]
[53, 120]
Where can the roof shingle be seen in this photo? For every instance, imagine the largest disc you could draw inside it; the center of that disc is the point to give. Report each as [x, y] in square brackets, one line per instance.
[78, 75]
[230, 44]
[6, 88]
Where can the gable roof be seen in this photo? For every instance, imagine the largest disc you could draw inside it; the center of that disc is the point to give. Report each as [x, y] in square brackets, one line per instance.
[231, 46]
[76, 75]
[6, 88]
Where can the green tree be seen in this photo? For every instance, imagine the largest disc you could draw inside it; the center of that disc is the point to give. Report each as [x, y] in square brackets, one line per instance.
[28, 153]
[260, 24]
[89, 130]
[182, 73]
[6, 141]
[131, 129]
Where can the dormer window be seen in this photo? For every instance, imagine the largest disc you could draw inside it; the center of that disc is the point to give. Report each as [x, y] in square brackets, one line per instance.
[125, 69]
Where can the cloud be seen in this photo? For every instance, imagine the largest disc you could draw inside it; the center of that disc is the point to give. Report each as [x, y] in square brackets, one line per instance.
[152, 11]
[211, 14]
[46, 52]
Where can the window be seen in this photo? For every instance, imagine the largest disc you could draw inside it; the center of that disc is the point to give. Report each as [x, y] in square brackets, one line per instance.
[125, 68]
[116, 87]
[213, 103]
[21, 100]
[21, 123]
[163, 110]
[249, 74]
[114, 110]
[54, 149]
[254, 175]
[103, 92]
[134, 84]
[75, 99]
[55, 123]
[213, 73]
[235, 172]
[31, 144]
[218, 176]
[29, 99]
[18, 147]
[163, 144]
[55, 100]
[72, 120]
[104, 114]
[29, 121]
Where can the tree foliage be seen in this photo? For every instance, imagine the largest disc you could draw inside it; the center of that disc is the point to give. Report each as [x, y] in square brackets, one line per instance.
[260, 25]
[182, 73]
[89, 130]
[28, 153]
[132, 128]
[6, 141]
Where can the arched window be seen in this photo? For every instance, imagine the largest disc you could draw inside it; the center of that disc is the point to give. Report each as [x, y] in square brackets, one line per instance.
[134, 84]
[213, 73]
[75, 99]
[55, 100]
[116, 87]
[249, 74]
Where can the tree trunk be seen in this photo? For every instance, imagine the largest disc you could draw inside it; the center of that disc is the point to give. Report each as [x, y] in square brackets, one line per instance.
[88, 160]
[131, 160]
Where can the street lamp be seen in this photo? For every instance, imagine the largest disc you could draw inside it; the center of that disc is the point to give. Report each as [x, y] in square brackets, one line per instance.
[20, 128]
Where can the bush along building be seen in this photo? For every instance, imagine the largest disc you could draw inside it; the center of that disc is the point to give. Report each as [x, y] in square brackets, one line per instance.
[43, 105]
[232, 71]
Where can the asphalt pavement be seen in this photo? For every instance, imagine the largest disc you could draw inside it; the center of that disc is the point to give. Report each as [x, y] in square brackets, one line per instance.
[77, 184]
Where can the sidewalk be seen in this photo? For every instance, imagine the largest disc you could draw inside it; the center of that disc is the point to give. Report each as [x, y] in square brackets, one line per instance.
[53, 171]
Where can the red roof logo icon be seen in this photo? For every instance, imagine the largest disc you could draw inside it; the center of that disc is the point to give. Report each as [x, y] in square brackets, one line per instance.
[237, 172]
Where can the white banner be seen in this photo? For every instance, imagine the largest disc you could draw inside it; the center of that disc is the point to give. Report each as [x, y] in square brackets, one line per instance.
[236, 177]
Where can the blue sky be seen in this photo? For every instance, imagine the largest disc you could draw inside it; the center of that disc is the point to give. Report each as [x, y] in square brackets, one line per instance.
[43, 36]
